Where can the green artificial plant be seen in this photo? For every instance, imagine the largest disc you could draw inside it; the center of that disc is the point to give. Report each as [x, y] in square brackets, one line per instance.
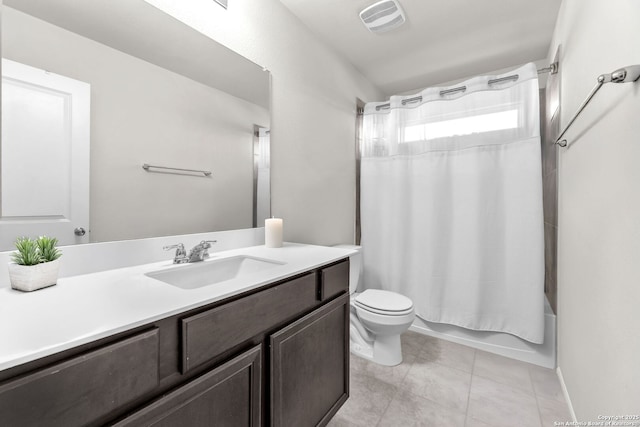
[47, 247]
[35, 251]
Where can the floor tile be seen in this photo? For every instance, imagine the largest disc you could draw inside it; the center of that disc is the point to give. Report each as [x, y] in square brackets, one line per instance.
[444, 385]
[546, 383]
[413, 342]
[503, 370]
[369, 397]
[472, 422]
[407, 410]
[339, 420]
[552, 410]
[498, 404]
[448, 353]
[391, 374]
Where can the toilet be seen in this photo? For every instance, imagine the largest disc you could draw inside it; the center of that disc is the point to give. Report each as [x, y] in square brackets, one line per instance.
[378, 317]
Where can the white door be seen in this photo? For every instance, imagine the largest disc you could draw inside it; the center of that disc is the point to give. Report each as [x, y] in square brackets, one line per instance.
[44, 169]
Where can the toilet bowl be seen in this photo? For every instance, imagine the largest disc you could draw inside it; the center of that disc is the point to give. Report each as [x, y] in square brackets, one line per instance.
[378, 318]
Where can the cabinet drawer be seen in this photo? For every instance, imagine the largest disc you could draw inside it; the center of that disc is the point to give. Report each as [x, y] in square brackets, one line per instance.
[335, 280]
[208, 334]
[84, 388]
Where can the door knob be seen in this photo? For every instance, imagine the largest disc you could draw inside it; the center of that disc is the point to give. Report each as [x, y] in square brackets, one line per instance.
[79, 231]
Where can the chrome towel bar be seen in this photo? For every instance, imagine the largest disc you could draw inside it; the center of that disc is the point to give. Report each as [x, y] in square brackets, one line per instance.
[196, 171]
[623, 75]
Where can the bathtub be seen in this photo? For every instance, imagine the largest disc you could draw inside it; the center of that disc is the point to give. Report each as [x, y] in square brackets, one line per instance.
[499, 343]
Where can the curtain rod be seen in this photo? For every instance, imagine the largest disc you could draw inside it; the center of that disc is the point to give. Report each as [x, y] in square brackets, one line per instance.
[552, 69]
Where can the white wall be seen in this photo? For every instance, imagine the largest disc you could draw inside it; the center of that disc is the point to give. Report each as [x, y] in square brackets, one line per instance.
[313, 112]
[599, 210]
[141, 113]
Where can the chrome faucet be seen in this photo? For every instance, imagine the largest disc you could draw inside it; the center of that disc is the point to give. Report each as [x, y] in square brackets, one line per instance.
[181, 254]
[200, 251]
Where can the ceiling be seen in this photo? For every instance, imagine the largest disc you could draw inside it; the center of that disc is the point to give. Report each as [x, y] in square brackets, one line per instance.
[441, 41]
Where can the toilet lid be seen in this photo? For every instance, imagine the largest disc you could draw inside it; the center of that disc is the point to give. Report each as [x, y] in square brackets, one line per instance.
[386, 301]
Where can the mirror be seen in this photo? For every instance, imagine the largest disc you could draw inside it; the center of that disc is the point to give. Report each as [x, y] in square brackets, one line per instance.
[92, 91]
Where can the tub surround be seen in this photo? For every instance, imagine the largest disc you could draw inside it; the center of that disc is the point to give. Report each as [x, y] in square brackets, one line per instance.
[499, 343]
[87, 307]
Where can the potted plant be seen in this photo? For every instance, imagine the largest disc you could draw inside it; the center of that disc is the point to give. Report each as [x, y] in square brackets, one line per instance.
[35, 263]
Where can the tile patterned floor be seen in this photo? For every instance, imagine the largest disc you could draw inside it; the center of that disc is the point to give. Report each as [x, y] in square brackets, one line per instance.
[444, 384]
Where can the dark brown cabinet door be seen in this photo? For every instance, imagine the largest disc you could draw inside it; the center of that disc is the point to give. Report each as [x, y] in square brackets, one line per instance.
[229, 395]
[310, 367]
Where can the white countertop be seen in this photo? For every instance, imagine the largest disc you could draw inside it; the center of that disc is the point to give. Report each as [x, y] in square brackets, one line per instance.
[84, 308]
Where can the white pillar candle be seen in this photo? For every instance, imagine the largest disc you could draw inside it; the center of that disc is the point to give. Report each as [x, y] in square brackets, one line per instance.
[273, 232]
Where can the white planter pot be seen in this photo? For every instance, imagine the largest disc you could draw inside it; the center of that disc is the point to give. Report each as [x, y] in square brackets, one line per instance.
[33, 277]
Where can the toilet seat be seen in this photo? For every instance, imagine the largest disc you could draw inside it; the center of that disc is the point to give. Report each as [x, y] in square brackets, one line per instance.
[384, 302]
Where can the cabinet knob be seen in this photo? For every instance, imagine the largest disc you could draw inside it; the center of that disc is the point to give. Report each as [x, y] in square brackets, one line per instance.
[79, 231]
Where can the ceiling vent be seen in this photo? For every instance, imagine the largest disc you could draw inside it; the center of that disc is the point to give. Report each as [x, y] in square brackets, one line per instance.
[383, 16]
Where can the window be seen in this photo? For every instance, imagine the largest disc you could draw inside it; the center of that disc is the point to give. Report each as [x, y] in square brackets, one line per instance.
[462, 126]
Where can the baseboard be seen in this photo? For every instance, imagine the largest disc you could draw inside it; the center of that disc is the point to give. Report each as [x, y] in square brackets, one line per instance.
[565, 392]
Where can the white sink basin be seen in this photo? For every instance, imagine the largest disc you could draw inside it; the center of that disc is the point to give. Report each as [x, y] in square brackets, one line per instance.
[197, 275]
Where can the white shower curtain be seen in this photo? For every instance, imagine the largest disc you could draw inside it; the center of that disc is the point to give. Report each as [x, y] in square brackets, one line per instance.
[451, 203]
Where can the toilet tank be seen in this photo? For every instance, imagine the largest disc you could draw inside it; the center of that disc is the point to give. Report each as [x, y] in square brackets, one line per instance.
[355, 266]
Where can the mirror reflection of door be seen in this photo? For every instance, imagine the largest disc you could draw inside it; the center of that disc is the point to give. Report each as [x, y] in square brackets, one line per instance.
[45, 155]
[261, 176]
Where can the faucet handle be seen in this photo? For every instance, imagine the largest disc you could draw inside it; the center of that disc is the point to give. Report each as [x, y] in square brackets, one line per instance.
[201, 250]
[178, 246]
[206, 244]
[181, 253]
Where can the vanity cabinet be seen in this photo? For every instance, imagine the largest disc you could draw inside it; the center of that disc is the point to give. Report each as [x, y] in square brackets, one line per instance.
[273, 356]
